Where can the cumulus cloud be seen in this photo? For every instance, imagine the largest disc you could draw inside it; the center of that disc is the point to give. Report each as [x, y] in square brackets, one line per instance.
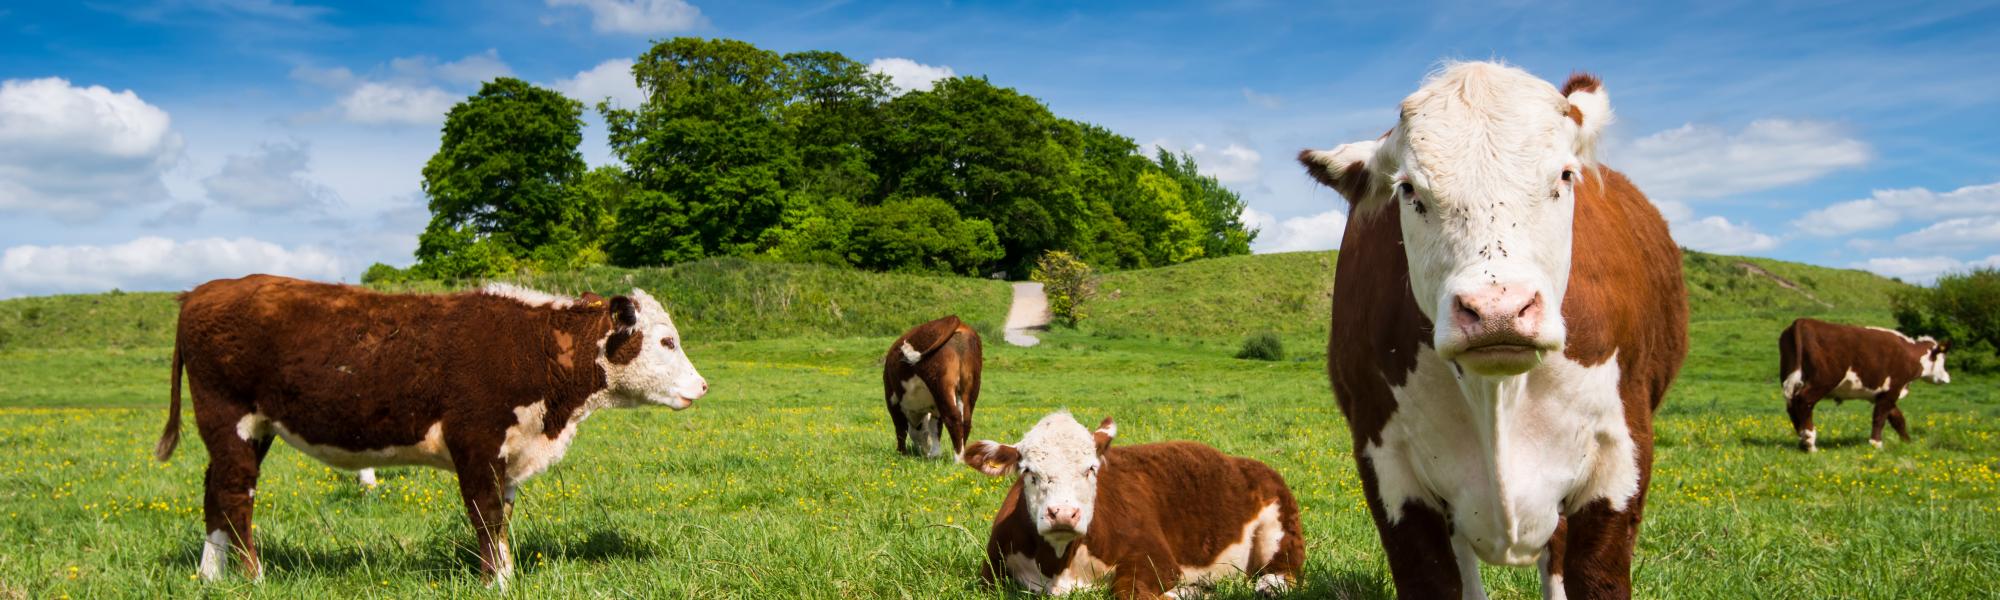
[153, 263]
[74, 152]
[1700, 161]
[1233, 163]
[393, 104]
[270, 180]
[909, 75]
[1964, 232]
[1885, 208]
[609, 79]
[411, 90]
[1313, 232]
[1922, 270]
[638, 16]
[1719, 235]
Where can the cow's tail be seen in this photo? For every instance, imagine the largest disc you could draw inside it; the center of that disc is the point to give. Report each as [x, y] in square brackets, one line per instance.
[171, 437]
[1791, 366]
[913, 355]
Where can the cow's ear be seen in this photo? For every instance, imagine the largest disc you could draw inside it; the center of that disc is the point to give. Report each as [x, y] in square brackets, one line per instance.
[624, 311]
[1105, 432]
[991, 457]
[1346, 169]
[590, 299]
[1590, 108]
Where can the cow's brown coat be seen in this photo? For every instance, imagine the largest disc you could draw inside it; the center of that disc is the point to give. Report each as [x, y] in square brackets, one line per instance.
[1822, 354]
[949, 366]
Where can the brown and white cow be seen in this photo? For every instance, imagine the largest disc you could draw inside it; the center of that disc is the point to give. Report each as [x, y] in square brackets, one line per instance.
[490, 384]
[1168, 519]
[1818, 360]
[930, 379]
[1507, 315]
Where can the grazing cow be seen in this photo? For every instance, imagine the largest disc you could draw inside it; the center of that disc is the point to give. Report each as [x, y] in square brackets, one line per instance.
[930, 379]
[1817, 359]
[1507, 315]
[1169, 518]
[490, 384]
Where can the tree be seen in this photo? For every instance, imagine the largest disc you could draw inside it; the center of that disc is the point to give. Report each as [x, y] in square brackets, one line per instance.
[921, 235]
[1218, 210]
[1173, 234]
[708, 147]
[1070, 284]
[1962, 308]
[497, 183]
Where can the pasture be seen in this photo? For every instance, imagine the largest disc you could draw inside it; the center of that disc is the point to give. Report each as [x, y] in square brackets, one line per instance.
[783, 482]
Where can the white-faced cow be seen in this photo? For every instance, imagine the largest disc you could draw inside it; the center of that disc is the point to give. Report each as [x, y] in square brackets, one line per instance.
[1507, 315]
[1818, 360]
[490, 384]
[1168, 518]
[930, 379]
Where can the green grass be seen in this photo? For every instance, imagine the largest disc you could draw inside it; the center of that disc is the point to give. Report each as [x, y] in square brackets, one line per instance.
[784, 483]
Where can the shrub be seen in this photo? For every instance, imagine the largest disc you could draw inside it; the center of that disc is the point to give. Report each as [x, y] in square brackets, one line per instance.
[1069, 283]
[1262, 346]
[1962, 308]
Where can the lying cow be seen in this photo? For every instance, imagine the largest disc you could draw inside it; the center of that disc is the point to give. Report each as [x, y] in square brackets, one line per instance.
[931, 381]
[1171, 517]
[489, 384]
[1507, 318]
[1817, 360]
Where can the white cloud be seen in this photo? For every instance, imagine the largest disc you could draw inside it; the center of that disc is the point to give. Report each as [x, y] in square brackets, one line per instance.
[1699, 161]
[909, 75]
[1314, 232]
[1264, 101]
[1885, 208]
[73, 152]
[1718, 235]
[474, 69]
[638, 16]
[1232, 164]
[1921, 270]
[270, 180]
[393, 104]
[410, 90]
[1964, 232]
[153, 263]
[609, 79]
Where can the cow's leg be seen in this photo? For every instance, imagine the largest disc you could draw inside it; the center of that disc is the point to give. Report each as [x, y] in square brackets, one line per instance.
[480, 477]
[366, 477]
[950, 410]
[902, 423]
[1896, 420]
[1551, 564]
[1884, 402]
[1597, 552]
[1471, 587]
[1800, 407]
[236, 450]
[1418, 543]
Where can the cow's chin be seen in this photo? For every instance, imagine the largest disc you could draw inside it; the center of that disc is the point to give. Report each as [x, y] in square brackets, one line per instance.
[1059, 536]
[671, 400]
[1504, 358]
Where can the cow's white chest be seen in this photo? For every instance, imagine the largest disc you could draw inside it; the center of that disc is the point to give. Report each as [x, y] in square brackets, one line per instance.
[1083, 572]
[527, 450]
[1509, 460]
[429, 451]
[1852, 387]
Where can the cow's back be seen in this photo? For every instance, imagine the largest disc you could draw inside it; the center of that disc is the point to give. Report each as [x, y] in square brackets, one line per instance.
[1198, 498]
[1822, 354]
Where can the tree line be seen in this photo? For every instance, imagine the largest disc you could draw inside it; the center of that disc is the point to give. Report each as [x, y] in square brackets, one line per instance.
[803, 157]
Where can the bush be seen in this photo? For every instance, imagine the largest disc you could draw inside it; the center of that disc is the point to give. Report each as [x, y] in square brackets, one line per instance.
[1069, 283]
[1962, 308]
[1263, 346]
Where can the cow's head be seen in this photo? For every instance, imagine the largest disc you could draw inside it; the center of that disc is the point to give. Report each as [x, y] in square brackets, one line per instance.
[1483, 167]
[1933, 360]
[1058, 462]
[642, 356]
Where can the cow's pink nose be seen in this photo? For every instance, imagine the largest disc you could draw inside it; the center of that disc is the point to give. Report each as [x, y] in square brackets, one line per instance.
[1065, 516]
[1498, 310]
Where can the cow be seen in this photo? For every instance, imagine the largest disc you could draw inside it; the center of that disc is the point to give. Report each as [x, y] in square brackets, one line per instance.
[1818, 360]
[1507, 316]
[490, 384]
[930, 380]
[1166, 519]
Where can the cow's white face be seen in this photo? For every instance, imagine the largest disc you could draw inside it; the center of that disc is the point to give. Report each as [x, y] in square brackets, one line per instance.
[643, 359]
[1483, 167]
[1058, 461]
[1933, 363]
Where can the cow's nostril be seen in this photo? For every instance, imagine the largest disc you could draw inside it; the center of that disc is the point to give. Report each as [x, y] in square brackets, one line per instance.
[1534, 306]
[1465, 311]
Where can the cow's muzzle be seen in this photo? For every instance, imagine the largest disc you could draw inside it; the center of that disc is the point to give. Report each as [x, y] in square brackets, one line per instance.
[1497, 331]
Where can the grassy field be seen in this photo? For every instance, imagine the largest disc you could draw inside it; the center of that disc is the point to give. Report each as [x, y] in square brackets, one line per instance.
[784, 482]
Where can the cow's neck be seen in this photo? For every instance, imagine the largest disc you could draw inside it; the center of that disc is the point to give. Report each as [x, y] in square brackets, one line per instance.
[577, 368]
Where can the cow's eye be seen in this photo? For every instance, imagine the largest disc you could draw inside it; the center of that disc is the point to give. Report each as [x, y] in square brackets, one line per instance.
[1090, 472]
[1569, 176]
[1406, 189]
[668, 342]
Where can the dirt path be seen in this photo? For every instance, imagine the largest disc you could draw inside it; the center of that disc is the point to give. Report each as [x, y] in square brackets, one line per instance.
[1029, 312]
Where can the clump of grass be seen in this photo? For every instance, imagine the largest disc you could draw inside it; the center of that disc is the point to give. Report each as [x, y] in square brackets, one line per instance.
[1263, 346]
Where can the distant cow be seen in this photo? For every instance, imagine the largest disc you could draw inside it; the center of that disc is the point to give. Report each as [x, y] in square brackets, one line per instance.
[1507, 316]
[1817, 360]
[1168, 518]
[930, 379]
[489, 384]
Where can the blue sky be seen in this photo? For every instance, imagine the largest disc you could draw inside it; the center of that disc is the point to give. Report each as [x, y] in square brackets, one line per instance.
[152, 145]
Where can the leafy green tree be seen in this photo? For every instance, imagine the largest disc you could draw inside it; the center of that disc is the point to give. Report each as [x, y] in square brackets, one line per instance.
[461, 253]
[1219, 210]
[1963, 308]
[497, 183]
[921, 235]
[709, 147]
[1160, 210]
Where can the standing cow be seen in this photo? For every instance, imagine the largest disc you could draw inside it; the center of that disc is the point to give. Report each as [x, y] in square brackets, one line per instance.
[1817, 360]
[489, 384]
[1507, 316]
[930, 379]
[1170, 518]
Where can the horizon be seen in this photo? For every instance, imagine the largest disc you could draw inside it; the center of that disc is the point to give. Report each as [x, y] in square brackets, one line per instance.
[155, 145]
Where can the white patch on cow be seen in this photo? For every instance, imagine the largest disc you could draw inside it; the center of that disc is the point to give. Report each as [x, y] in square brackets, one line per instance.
[1552, 583]
[1905, 336]
[1470, 586]
[1083, 572]
[428, 452]
[1027, 572]
[1851, 387]
[503, 568]
[1510, 456]
[1808, 437]
[527, 450]
[528, 296]
[1876, 442]
[366, 477]
[214, 554]
[1272, 584]
[910, 354]
[253, 426]
[921, 408]
[1256, 545]
[1795, 382]
[662, 372]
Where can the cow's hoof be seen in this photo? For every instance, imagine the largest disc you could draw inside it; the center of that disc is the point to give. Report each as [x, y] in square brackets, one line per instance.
[1876, 443]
